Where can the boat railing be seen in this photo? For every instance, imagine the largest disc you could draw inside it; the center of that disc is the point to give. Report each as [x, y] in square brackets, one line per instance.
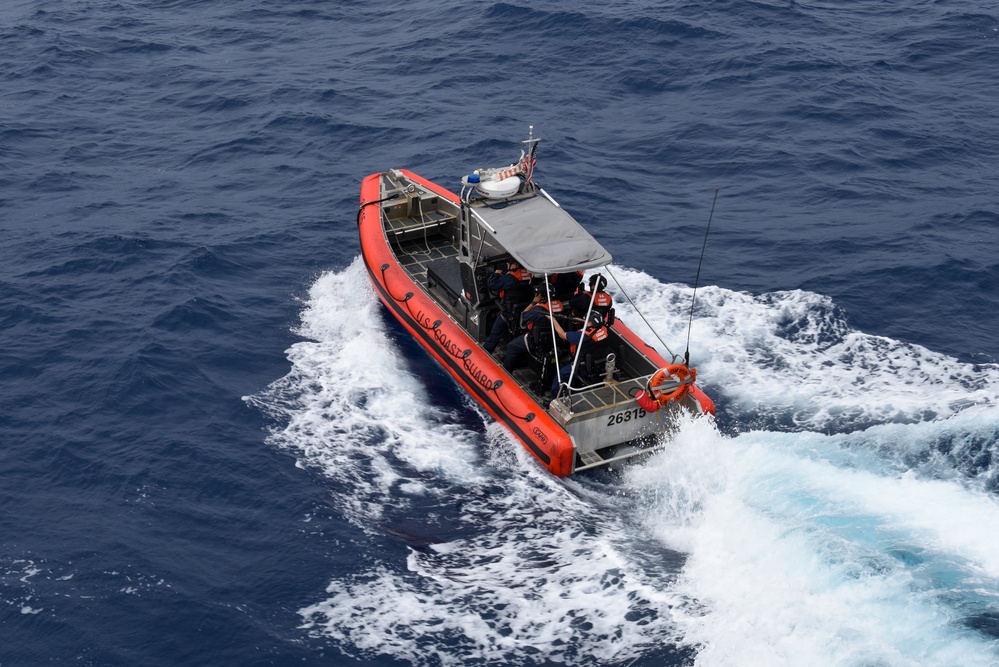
[415, 212]
[610, 369]
[566, 390]
[604, 395]
[417, 228]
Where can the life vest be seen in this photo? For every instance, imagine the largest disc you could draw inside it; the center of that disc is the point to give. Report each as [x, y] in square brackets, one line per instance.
[521, 274]
[521, 293]
[602, 303]
[595, 343]
[553, 307]
[540, 339]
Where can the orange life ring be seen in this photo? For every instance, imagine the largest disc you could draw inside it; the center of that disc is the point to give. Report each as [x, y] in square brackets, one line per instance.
[682, 374]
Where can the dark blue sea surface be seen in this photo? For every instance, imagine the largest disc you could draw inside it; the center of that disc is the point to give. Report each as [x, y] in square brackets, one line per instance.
[218, 449]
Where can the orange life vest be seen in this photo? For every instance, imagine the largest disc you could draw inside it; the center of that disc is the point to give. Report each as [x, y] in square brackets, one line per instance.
[594, 337]
[522, 292]
[552, 308]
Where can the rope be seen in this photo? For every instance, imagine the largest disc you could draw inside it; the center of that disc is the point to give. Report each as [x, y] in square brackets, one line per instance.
[360, 209]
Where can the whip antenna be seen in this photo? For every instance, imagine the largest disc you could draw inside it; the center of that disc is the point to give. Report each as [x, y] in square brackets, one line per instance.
[693, 298]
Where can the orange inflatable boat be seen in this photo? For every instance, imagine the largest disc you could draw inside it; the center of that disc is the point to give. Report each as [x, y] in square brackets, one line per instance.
[493, 283]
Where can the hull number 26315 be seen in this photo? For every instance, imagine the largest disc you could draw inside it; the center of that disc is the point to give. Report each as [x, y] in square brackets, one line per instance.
[627, 416]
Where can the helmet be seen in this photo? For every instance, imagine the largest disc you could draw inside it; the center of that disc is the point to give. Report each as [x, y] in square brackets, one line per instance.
[595, 319]
[541, 290]
[599, 281]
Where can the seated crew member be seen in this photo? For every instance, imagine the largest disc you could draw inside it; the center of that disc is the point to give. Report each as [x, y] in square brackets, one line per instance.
[534, 318]
[564, 285]
[595, 341]
[603, 302]
[512, 287]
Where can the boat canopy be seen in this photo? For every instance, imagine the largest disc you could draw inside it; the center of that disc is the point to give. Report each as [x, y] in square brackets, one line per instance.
[541, 236]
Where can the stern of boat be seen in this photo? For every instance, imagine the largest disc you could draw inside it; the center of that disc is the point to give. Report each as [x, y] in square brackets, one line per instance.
[607, 424]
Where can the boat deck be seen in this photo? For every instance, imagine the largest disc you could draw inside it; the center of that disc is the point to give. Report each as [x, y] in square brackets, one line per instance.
[416, 255]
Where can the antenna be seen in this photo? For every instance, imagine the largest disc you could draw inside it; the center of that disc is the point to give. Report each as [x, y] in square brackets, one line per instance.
[693, 298]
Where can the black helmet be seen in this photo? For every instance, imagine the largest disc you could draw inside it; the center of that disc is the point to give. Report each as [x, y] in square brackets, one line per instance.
[599, 281]
[541, 290]
[595, 319]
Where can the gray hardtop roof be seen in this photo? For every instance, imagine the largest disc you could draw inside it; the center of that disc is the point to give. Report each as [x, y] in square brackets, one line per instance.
[541, 236]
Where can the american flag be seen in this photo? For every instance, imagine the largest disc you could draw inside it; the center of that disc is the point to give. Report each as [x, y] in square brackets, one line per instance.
[528, 161]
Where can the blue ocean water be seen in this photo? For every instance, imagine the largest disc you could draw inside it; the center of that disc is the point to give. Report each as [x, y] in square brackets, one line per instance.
[219, 449]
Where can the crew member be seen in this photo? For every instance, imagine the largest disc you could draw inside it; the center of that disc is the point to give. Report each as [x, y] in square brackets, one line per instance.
[534, 318]
[512, 287]
[595, 341]
[565, 285]
[602, 302]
